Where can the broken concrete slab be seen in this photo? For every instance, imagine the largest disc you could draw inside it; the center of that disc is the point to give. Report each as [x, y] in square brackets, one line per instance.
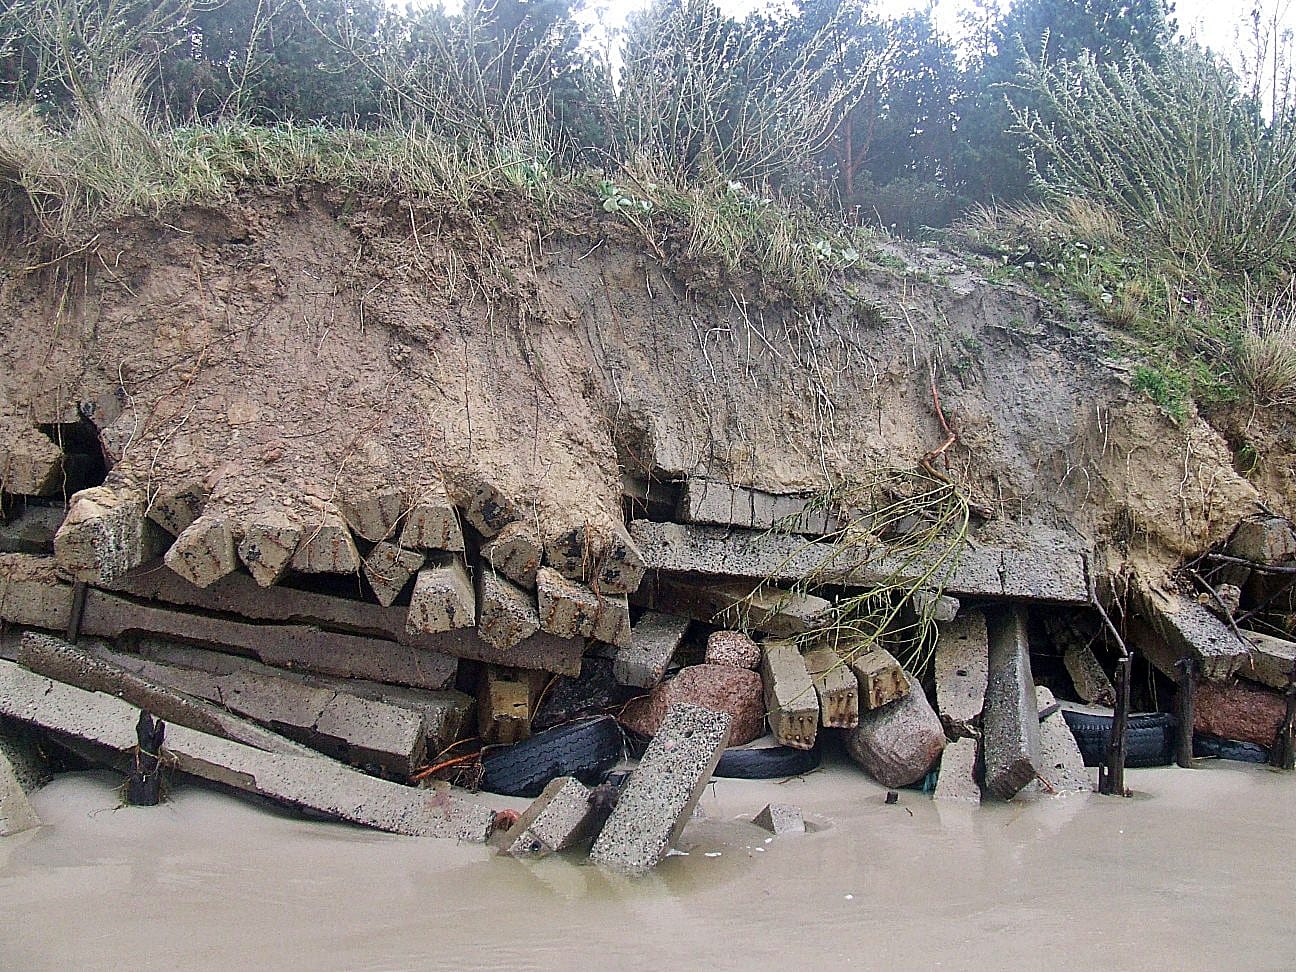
[956, 781]
[515, 552]
[388, 568]
[326, 546]
[268, 540]
[732, 648]
[24, 748]
[1061, 765]
[1074, 634]
[781, 820]
[16, 813]
[621, 568]
[726, 504]
[663, 790]
[30, 463]
[488, 510]
[1186, 630]
[355, 730]
[204, 552]
[32, 594]
[443, 599]
[446, 713]
[791, 702]
[555, 821]
[1272, 661]
[653, 642]
[765, 608]
[97, 669]
[1269, 540]
[105, 534]
[898, 743]
[722, 688]
[31, 531]
[309, 782]
[373, 511]
[880, 677]
[432, 523]
[837, 688]
[506, 613]
[503, 707]
[571, 610]
[940, 608]
[1011, 733]
[981, 571]
[962, 671]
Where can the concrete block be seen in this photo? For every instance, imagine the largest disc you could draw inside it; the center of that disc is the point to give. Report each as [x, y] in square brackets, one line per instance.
[16, 813]
[732, 648]
[956, 782]
[327, 546]
[790, 699]
[30, 464]
[1061, 766]
[898, 743]
[32, 594]
[721, 688]
[1264, 540]
[388, 568]
[372, 512]
[781, 820]
[447, 714]
[174, 509]
[268, 540]
[554, 821]
[516, 552]
[653, 642]
[837, 687]
[1010, 724]
[1185, 629]
[603, 557]
[571, 610]
[962, 670]
[443, 599]
[663, 790]
[432, 523]
[105, 534]
[23, 747]
[880, 677]
[710, 501]
[488, 510]
[1272, 661]
[503, 708]
[621, 568]
[204, 552]
[308, 782]
[507, 614]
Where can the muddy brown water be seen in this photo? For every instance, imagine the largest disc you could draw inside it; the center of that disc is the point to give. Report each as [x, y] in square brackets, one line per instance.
[1193, 872]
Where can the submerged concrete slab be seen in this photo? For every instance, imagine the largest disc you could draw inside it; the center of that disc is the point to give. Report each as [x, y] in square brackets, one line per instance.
[791, 703]
[554, 821]
[1061, 765]
[898, 743]
[1011, 733]
[781, 819]
[16, 813]
[663, 790]
[956, 782]
[308, 782]
[653, 642]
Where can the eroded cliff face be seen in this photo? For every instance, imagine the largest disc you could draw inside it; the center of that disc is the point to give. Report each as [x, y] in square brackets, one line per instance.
[288, 347]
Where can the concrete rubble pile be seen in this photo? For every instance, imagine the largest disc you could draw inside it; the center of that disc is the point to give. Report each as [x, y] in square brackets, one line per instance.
[379, 663]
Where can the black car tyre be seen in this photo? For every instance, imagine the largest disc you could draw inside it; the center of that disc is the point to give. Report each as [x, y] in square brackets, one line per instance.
[585, 749]
[1149, 736]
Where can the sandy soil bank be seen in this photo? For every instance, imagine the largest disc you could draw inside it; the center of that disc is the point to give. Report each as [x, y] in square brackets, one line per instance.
[1194, 872]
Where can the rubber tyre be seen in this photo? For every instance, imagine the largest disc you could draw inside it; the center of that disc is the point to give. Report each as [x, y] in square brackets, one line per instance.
[1149, 737]
[768, 763]
[586, 750]
[1235, 749]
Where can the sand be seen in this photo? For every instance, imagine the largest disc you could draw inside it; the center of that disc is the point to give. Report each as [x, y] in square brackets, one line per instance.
[1192, 872]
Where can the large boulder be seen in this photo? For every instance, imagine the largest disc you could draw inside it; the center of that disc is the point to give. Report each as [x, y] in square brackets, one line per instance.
[721, 688]
[898, 743]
